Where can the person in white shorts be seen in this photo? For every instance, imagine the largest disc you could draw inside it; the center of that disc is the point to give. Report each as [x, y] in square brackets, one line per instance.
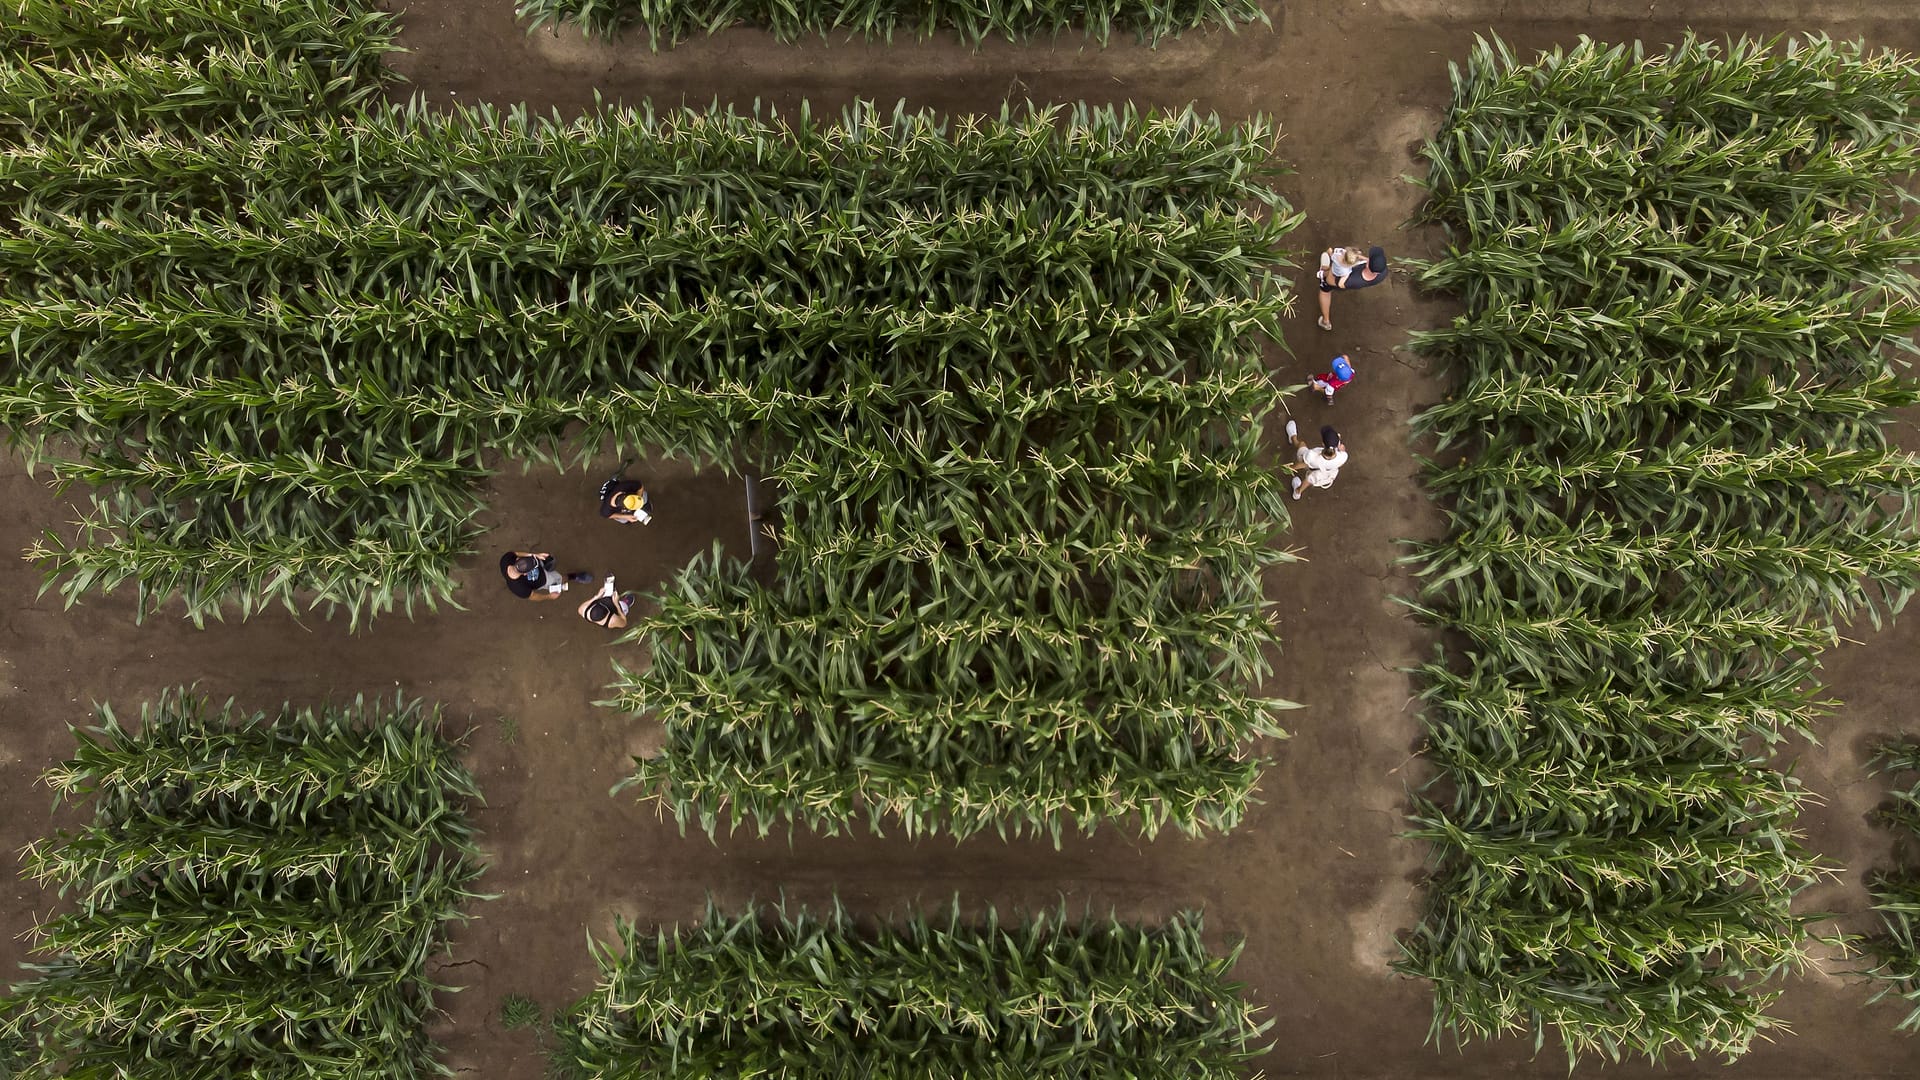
[1315, 466]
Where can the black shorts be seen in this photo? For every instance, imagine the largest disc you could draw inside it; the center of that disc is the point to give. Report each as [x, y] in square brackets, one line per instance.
[1324, 287]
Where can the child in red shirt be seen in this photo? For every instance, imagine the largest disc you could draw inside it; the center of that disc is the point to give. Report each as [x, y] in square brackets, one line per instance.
[1328, 381]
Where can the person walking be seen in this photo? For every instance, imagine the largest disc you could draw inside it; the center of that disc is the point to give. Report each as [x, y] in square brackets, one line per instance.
[530, 575]
[606, 609]
[1338, 375]
[1315, 466]
[1342, 268]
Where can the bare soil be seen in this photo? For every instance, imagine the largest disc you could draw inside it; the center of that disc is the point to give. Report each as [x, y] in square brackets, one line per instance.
[1317, 881]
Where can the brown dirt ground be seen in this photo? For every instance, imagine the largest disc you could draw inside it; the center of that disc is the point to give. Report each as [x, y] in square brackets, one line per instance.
[1317, 881]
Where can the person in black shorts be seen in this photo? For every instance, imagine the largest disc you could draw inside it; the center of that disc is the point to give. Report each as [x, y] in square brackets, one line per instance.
[606, 609]
[530, 575]
[1341, 270]
[625, 501]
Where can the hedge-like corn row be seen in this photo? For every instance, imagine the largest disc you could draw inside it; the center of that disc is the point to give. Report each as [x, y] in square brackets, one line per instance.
[120, 68]
[254, 896]
[474, 282]
[1895, 950]
[1684, 276]
[670, 22]
[787, 994]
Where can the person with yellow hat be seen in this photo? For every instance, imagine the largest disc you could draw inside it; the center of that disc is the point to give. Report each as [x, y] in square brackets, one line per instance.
[625, 501]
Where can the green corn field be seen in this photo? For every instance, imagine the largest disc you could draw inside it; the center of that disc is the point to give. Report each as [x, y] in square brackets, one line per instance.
[340, 345]
[1018, 583]
[254, 896]
[116, 68]
[1894, 952]
[1003, 373]
[1667, 484]
[287, 379]
[669, 22]
[780, 993]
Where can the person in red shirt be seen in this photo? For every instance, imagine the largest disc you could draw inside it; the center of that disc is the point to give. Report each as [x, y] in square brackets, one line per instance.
[1335, 377]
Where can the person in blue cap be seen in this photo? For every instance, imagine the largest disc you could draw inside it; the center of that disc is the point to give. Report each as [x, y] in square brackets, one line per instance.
[1335, 377]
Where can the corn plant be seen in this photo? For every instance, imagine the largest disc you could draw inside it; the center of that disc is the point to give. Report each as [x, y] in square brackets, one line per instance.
[615, 162]
[128, 92]
[123, 66]
[311, 30]
[787, 993]
[672, 23]
[1895, 949]
[1686, 285]
[365, 554]
[253, 896]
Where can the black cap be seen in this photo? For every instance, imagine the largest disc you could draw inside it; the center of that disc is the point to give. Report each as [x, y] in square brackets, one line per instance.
[1329, 438]
[1377, 259]
[526, 564]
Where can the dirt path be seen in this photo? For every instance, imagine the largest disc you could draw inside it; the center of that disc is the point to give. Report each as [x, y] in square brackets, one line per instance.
[1317, 880]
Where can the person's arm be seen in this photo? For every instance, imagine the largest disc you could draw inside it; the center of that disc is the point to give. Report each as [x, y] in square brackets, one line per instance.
[543, 594]
[622, 518]
[585, 604]
[617, 622]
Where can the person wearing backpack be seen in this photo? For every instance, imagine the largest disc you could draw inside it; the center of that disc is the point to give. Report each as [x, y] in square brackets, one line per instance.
[1337, 376]
[531, 576]
[625, 501]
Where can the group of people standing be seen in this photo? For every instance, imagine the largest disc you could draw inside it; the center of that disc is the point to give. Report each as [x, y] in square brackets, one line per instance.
[532, 575]
[1342, 269]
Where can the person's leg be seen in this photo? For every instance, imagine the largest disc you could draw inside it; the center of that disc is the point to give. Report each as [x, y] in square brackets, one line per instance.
[1326, 308]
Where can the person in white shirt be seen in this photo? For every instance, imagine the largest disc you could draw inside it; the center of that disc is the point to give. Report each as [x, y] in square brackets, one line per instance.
[1315, 466]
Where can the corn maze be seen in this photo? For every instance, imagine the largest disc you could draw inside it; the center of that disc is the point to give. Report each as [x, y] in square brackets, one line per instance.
[275, 322]
[285, 358]
[1669, 485]
[769, 992]
[254, 896]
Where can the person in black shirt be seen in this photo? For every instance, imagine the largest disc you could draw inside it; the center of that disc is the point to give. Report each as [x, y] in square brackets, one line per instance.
[606, 609]
[530, 575]
[1338, 274]
[625, 501]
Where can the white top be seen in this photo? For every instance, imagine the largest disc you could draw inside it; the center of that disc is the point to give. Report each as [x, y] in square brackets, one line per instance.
[1321, 469]
[1337, 263]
